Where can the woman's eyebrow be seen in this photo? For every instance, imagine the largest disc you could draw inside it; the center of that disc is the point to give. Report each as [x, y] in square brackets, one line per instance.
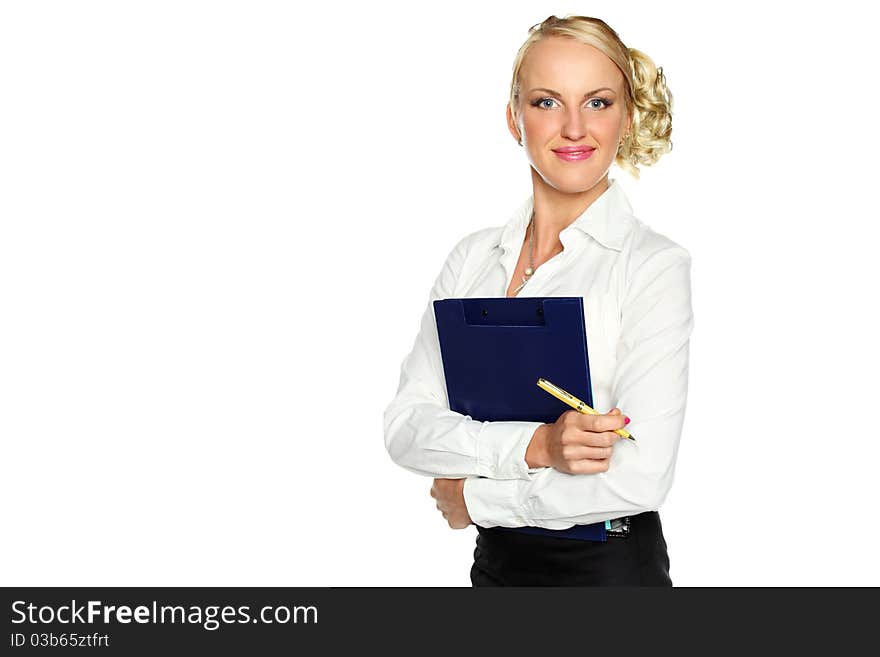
[558, 95]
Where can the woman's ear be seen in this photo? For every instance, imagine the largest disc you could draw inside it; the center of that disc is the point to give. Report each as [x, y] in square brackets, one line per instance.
[511, 125]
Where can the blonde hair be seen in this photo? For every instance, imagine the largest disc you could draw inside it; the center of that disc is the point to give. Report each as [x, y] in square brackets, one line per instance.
[648, 99]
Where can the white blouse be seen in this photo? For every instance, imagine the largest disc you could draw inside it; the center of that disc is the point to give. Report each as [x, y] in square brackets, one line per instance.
[636, 288]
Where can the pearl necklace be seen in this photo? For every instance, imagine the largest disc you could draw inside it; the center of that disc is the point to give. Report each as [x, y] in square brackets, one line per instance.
[531, 268]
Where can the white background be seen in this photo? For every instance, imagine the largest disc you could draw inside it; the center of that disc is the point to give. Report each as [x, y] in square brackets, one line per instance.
[220, 221]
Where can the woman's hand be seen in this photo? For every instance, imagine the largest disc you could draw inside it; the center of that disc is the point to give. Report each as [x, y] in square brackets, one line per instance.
[576, 443]
[449, 494]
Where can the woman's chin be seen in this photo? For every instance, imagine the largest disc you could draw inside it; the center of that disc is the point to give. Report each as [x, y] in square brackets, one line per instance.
[574, 184]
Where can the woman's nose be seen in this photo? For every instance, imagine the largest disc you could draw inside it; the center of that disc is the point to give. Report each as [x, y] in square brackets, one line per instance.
[574, 125]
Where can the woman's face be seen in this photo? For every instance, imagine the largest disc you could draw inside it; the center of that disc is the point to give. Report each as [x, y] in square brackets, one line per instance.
[571, 95]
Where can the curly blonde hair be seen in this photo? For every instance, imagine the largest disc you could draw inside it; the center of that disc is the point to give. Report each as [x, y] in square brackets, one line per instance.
[648, 99]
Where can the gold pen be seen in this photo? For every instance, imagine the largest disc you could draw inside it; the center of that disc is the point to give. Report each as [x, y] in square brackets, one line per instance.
[577, 404]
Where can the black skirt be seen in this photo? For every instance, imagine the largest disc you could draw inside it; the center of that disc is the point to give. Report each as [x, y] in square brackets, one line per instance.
[508, 558]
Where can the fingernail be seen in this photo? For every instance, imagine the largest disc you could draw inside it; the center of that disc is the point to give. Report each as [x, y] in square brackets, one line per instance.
[626, 420]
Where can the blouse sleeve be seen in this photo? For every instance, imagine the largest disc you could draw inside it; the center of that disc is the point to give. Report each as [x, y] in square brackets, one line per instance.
[650, 386]
[423, 435]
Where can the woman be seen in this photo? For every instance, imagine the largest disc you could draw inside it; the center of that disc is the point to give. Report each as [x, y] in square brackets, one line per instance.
[580, 100]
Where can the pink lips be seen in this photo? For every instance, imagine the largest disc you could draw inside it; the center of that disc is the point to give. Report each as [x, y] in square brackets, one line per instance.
[573, 154]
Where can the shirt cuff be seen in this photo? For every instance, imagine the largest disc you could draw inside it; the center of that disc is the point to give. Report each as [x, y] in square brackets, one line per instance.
[495, 502]
[501, 449]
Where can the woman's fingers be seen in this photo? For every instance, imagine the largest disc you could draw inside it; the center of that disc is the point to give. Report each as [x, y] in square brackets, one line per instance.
[617, 411]
[589, 466]
[582, 444]
[599, 423]
[591, 439]
[580, 452]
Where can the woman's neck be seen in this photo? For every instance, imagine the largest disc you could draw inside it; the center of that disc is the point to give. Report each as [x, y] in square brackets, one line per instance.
[555, 211]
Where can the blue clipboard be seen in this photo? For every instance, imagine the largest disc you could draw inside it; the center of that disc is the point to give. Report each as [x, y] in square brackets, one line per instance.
[494, 350]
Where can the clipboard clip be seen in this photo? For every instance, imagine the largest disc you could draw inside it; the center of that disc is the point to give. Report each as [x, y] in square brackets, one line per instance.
[504, 311]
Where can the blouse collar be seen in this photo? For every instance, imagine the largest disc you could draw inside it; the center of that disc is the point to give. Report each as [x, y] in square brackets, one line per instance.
[607, 220]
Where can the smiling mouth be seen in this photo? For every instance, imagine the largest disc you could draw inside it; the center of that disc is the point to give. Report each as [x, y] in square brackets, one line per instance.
[571, 156]
[585, 149]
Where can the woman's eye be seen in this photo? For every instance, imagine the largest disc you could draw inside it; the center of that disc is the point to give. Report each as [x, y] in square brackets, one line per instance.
[602, 103]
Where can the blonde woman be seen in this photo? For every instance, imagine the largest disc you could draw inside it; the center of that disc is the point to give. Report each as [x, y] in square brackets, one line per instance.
[580, 100]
